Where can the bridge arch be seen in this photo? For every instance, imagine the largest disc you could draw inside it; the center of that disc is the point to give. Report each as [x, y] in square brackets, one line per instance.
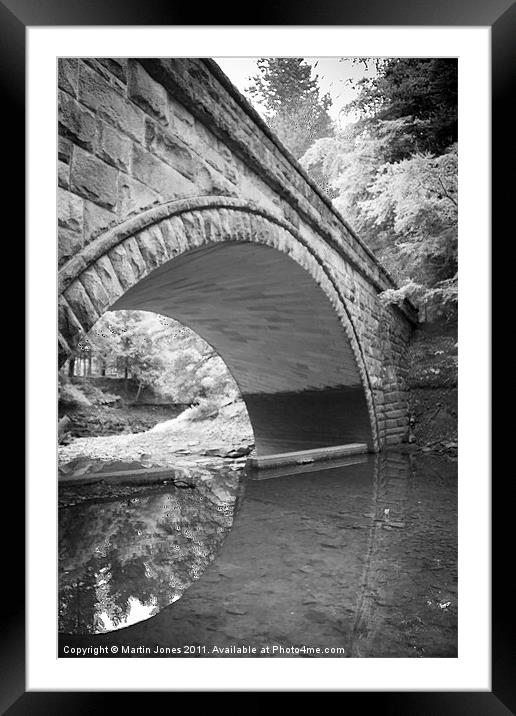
[256, 289]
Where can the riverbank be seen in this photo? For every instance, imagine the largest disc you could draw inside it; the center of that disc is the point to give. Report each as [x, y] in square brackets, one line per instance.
[181, 441]
[433, 381]
[97, 406]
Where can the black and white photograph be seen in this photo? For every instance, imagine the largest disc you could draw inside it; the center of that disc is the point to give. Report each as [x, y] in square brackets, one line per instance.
[258, 304]
[258, 357]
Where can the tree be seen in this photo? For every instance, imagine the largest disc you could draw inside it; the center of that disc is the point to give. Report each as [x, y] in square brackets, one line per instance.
[161, 354]
[394, 175]
[126, 341]
[415, 200]
[295, 109]
[423, 91]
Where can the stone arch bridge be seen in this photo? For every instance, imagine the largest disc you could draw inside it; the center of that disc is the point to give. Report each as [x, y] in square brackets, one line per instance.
[175, 197]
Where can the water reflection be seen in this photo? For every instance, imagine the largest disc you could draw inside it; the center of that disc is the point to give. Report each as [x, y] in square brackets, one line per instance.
[407, 603]
[122, 561]
[361, 556]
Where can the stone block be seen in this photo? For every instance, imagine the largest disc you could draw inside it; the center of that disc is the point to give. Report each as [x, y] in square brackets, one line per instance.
[113, 70]
[160, 176]
[398, 430]
[134, 256]
[209, 181]
[260, 229]
[69, 326]
[393, 440]
[290, 215]
[64, 150]
[70, 211]
[95, 289]
[124, 268]
[133, 196]
[63, 174]
[67, 74]
[395, 396]
[172, 150]
[225, 152]
[194, 229]
[93, 179]
[205, 140]
[174, 235]
[76, 122]
[113, 147]
[147, 93]
[117, 65]
[213, 159]
[109, 279]
[81, 305]
[110, 105]
[96, 220]
[213, 229]
[395, 414]
[180, 112]
[69, 243]
[152, 247]
[242, 226]
[227, 223]
[230, 172]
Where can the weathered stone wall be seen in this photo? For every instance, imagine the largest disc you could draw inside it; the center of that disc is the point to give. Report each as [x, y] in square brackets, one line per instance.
[147, 149]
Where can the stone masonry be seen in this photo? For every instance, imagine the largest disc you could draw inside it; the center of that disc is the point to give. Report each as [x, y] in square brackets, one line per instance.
[158, 158]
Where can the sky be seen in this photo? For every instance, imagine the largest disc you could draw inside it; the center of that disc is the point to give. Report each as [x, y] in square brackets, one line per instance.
[334, 75]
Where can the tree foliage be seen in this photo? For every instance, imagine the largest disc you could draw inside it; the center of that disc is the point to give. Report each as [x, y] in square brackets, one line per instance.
[161, 354]
[296, 110]
[423, 91]
[393, 174]
[416, 199]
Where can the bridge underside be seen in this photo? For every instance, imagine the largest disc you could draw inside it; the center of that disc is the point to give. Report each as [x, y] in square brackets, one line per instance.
[278, 334]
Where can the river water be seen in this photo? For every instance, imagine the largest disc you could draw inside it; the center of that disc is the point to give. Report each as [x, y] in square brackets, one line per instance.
[355, 560]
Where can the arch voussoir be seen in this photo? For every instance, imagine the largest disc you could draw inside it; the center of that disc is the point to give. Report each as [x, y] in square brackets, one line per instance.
[194, 229]
[152, 247]
[177, 239]
[70, 328]
[99, 286]
[122, 260]
[81, 305]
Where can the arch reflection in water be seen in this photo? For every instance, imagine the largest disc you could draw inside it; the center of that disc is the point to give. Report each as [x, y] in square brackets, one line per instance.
[122, 561]
[361, 557]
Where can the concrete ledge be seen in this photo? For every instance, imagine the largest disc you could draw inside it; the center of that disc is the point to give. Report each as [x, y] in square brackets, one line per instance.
[303, 457]
[306, 468]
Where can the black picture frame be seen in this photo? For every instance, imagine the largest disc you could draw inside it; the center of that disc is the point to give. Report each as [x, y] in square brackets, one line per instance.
[15, 17]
